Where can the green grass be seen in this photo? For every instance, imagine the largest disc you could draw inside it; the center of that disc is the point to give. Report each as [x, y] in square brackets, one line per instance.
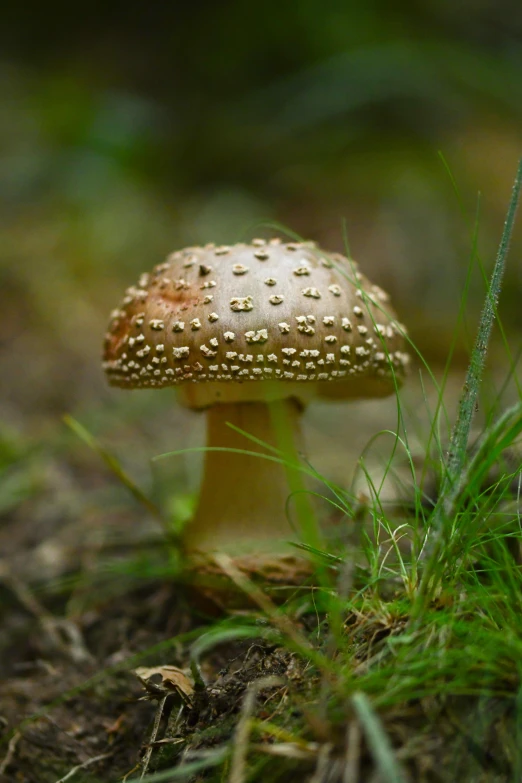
[421, 628]
[453, 629]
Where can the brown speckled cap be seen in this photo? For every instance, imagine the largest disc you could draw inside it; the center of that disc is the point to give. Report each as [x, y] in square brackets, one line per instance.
[256, 321]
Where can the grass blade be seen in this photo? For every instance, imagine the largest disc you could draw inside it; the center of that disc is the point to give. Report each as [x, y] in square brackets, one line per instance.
[378, 741]
[461, 431]
[115, 467]
[187, 770]
[460, 434]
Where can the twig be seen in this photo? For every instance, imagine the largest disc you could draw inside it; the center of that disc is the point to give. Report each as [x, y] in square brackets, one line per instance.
[85, 764]
[130, 772]
[13, 742]
[155, 728]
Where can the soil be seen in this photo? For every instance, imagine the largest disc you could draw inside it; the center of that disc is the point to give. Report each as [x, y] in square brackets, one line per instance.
[73, 707]
[70, 697]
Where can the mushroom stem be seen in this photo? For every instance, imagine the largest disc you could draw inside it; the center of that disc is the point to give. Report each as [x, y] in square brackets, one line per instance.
[242, 505]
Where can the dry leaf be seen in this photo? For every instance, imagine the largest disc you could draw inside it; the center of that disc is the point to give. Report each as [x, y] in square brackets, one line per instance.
[173, 680]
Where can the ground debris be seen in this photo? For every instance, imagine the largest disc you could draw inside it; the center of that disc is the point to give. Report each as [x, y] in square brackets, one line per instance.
[173, 681]
[247, 706]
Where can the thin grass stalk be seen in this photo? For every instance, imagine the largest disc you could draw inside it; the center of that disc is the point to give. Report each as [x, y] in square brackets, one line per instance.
[460, 436]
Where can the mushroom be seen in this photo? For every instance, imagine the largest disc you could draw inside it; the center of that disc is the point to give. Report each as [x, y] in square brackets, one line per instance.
[246, 333]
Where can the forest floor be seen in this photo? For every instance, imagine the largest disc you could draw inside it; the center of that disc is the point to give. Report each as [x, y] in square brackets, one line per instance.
[116, 691]
[110, 670]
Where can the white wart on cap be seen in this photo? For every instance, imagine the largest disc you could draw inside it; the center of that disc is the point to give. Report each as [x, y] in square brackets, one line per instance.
[251, 321]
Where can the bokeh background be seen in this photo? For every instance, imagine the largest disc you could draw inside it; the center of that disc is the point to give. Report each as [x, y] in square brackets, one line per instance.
[130, 130]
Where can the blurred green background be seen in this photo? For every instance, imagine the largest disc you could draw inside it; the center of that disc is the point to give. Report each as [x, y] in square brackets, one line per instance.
[131, 130]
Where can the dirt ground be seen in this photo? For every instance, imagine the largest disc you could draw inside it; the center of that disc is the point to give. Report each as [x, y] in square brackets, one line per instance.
[71, 700]
[87, 597]
[73, 707]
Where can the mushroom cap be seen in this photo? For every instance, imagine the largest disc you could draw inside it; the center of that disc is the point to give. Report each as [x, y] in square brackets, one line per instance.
[256, 321]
